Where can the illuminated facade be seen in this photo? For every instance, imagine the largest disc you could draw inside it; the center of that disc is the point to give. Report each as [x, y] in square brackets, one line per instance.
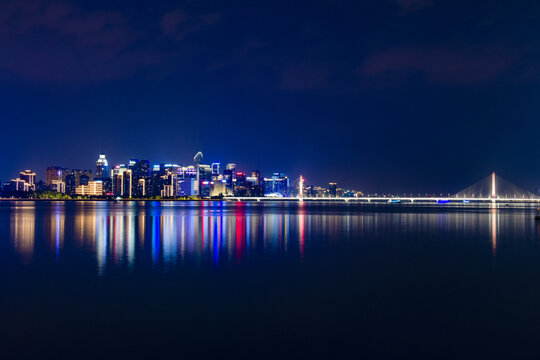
[53, 173]
[122, 181]
[58, 186]
[277, 185]
[102, 167]
[94, 188]
[186, 187]
[29, 177]
[215, 170]
[141, 177]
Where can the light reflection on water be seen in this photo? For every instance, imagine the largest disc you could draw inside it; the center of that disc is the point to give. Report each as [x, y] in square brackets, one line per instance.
[118, 234]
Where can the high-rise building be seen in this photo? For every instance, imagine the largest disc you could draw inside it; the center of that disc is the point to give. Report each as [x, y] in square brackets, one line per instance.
[277, 185]
[231, 166]
[254, 184]
[215, 169]
[141, 177]
[218, 189]
[228, 180]
[332, 189]
[71, 184]
[205, 180]
[186, 187]
[240, 188]
[169, 180]
[102, 167]
[53, 173]
[122, 181]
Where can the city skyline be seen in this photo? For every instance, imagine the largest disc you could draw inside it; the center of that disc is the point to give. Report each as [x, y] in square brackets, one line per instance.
[140, 178]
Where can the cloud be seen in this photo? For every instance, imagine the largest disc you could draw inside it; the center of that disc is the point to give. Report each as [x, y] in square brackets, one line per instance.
[55, 41]
[178, 25]
[443, 65]
[304, 77]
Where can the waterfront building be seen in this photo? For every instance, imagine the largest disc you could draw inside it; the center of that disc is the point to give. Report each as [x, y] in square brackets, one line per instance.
[71, 184]
[187, 172]
[102, 167]
[215, 170]
[240, 187]
[141, 177]
[254, 184]
[228, 180]
[19, 185]
[169, 180]
[29, 177]
[332, 189]
[277, 185]
[58, 186]
[53, 173]
[186, 187]
[204, 182]
[219, 189]
[94, 188]
[84, 179]
[122, 181]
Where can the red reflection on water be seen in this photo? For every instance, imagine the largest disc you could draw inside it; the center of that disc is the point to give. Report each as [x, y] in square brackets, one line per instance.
[302, 239]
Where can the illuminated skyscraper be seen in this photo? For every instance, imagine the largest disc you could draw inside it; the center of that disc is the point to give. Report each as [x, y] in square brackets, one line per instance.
[102, 167]
[215, 169]
[122, 181]
[141, 177]
[255, 184]
[228, 180]
[332, 189]
[197, 160]
[277, 185]
[240, 188]
[53, 173]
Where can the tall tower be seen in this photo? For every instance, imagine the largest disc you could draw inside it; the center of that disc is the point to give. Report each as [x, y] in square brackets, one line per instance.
[102, 167]
[198, 161]
[493, 187]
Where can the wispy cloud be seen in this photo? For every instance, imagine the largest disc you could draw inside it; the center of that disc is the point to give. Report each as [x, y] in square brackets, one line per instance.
[304, 76]
[443, 65]
[56, 41]
[178, 25]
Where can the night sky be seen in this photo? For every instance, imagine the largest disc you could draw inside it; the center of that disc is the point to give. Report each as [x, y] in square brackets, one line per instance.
[380, 96]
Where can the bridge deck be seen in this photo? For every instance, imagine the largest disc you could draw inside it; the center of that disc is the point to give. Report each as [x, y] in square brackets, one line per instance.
[389, 199]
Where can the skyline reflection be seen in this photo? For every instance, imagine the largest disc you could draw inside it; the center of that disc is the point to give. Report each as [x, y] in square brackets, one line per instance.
[121, 235]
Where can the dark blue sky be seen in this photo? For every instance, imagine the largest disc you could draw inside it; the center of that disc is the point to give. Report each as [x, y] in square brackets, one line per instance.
[382, 95]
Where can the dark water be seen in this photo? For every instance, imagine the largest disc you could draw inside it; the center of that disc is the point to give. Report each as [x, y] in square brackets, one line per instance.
[272, 280]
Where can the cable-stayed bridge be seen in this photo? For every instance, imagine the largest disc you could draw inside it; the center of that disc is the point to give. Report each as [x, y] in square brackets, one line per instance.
[492, 189]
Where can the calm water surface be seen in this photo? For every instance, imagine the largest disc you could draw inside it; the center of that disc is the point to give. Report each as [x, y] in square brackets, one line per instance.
[252, 280]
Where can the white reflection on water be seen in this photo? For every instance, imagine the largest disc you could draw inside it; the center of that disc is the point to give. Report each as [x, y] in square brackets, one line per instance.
[120, 235]
[23, 228]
